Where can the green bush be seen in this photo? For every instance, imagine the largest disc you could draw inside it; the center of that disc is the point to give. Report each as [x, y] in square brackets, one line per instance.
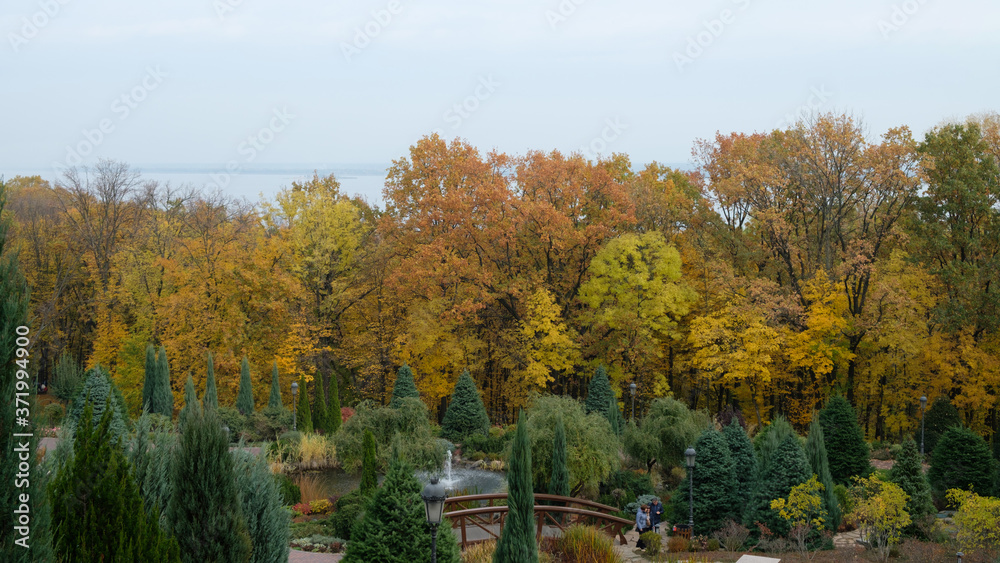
[909, 475]
[237, 423]
[654, 543]
[409, 421]
[350, 510]
[785, 468]
[288, 490]
[67, 377]
[494, 443]
[52, 414]
[961, 460]
[633, 483]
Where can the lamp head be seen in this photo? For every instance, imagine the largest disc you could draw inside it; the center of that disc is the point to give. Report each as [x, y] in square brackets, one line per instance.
[689, 455]
[434, 496]
[295, 388]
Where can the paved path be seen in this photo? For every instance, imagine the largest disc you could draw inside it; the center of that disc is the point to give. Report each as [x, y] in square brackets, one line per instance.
[296, 556]
[847, 540]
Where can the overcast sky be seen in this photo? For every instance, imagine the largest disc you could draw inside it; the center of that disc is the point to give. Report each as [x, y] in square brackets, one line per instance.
[276, 83]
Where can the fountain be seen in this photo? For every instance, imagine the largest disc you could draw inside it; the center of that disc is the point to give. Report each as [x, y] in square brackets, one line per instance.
[448, 481]
[462, 479]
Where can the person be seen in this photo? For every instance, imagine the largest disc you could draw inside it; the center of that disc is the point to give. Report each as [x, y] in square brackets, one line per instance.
[642, 524]
[656, 514]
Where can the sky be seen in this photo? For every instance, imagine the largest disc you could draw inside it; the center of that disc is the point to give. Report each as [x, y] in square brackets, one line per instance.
[246, 85]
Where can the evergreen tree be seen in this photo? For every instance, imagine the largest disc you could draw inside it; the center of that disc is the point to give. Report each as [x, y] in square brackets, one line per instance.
[820, 464]
[559, 482]
[151, 454]
[319, 407]
[785, 469]
[333, 417]
[304, 415]
[961, 460]
[369, 479]
[615, 418]
[204, 511]
[599, 392]
[190, 401]
[846, 448]
[744, 462]
[151, 379]
[517, 539]
[100, 393]
[394, 528]
[274, 401]
[715, 489]
[161, 400]
[909, 475]
[98, 514]
[211, 398]
[67, 377]
[260, 499]
[404, 386]
[244, 399]
[466, 414]
[941, 416]
[767, 441]
[14, 306]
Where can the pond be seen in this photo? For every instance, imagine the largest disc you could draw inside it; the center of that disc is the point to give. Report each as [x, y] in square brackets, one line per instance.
[335, 482]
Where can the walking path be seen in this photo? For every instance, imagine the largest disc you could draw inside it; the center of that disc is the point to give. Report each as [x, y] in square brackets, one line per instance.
[296, 556]
[847, 540]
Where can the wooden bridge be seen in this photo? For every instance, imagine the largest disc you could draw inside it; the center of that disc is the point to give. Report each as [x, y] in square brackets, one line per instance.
[479, 519]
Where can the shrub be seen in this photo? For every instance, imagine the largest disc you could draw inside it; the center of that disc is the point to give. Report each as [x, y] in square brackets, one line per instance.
[350, 510]
[583, 544]
[316, 451]
[481, 552]
[591, 448]
[664, 433]
[961, 460]
[632, 483]
[786, 468]
[494, 443]
[466, 414]
[52, 414]
[846, 448]
[677, 544]
[289, 491]
[68, 377]
[977, 519]
[880, 512]
[733, 535]
[151, 452]
[303, 508]
[409, 420]
[653, 541]
[244, 398]
[713, 544]
[320, 506]
[804, 511]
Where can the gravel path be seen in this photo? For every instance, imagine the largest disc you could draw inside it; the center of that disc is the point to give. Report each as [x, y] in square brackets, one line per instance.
[296, 556]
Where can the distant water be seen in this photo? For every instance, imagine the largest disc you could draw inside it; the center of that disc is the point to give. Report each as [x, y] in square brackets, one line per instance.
[254, 185]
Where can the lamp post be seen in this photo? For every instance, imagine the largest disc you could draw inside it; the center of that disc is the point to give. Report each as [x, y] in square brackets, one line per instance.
[295, 403]
[434, 496]
[923, 404]
[689, 455]
[631, 388]
[960, 555]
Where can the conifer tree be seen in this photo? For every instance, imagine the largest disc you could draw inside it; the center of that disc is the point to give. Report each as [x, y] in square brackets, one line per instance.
[67, 377]
[404, 386]
[466, 414]
[319, 407]
[267, 521]
[517, 539]
[559, 482]
[744, 462]
[599, 392]
[190, 400]
[941, 416]
[394, 528]
[333, 417]
[961, 460]
[615, 418]
[98, 514]
[211, 398]
[785, 469]
[14, 307]
[274, 401]
[304, 415]
[820, 464]
[715, 490]
[909, 475]
[845, 444]
[244, 399]
[100, 392]
[369, 479]
[162, 399]
[204, 511]
[150, 381]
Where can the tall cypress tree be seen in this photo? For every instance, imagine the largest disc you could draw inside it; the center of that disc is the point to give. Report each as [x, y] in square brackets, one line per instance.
[304, 415]
[244, 399]
[559, 482]
[190, 400]
[274, 401]
[820, 464]
[204, 511]
[98, 514]
[211, 398]
[162, 400]
[14, 303]
[369, 479]
[744, 462]
[845, 444]
[149, 382]
[394, 528]
[517, 539]
[404, 386]
[333, 417]
[785, 469]
[909, 475]
[615, 418]
[466, 414]
[319, 407]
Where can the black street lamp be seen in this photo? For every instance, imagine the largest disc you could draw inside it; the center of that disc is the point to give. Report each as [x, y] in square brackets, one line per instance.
[689, 455]
[632, 389]
[923, 404]
[434, 496]
[295, 394]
